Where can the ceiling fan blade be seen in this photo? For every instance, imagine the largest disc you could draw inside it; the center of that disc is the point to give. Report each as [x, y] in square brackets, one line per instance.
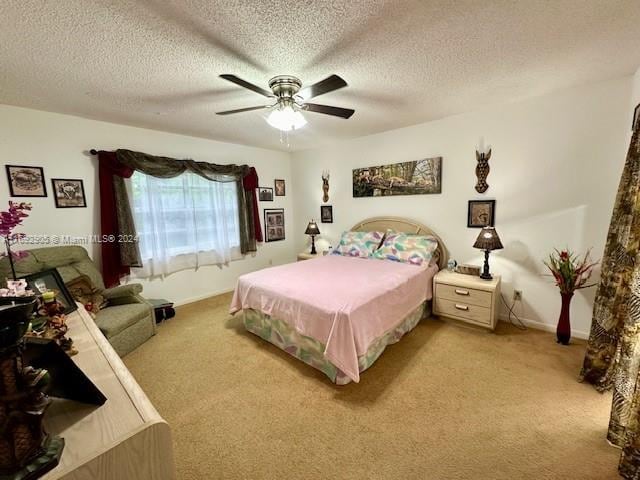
[240, 110]
[245, 84]
[329, 84]
[328, 110]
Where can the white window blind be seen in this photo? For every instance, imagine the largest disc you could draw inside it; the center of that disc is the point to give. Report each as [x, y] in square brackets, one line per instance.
[184, 222]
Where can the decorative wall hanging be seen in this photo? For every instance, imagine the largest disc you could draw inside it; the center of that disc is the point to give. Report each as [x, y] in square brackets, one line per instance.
[26, 181]
[326, 213]
[407, 178]
[280, 187]
[68, 193]
[265, 194]
[325, 186]
[482, 170]
[274, 224]
[481, 213]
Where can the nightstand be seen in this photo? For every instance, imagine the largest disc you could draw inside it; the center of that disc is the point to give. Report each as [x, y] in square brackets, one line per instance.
[466, 298]
[308, 256]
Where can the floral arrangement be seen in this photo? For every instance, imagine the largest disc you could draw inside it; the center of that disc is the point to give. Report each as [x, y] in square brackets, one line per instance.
[570, 271]
[9, 220]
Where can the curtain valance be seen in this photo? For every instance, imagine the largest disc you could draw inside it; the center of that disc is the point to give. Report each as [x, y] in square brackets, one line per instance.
[115, 210]
[165, 167]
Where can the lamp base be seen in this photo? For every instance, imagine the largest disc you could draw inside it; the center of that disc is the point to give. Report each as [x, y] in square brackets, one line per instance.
[485, 275]
[313, 245]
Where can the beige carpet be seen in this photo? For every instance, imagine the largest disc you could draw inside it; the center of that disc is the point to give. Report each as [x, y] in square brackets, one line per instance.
[446, 402]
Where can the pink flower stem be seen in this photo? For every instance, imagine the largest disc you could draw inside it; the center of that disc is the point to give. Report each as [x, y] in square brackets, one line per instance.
[8, 246]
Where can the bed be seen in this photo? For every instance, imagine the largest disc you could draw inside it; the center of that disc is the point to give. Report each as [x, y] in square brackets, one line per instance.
[338, 313]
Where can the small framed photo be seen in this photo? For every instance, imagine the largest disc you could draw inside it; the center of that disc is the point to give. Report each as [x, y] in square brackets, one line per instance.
[280, 187]
[26, 181]
[274, 224]
[265, 194]
[326, 213]
[50, 280]
[481, 213]
[68, 193]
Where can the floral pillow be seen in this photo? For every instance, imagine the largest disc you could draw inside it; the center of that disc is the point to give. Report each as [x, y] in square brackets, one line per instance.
[358, 244]
[407, 248]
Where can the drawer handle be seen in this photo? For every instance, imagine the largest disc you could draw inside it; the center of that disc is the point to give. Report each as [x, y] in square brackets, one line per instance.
[462, 292]
[462, 307]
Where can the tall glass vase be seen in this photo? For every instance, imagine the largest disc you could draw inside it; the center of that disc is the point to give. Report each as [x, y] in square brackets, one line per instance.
[563, 331]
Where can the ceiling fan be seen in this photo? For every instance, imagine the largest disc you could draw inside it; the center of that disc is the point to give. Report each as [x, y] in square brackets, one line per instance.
[291, 99]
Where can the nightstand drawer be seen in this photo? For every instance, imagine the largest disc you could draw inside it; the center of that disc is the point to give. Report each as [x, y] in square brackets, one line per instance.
[463, 310]
[469, 296]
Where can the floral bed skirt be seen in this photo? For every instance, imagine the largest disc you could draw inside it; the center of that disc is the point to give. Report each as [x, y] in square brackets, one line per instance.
[310, 351]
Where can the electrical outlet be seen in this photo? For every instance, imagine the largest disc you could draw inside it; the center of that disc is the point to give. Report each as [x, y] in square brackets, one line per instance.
[517, 295]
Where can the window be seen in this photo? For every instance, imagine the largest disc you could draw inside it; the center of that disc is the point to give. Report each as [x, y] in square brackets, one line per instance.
[184, 222]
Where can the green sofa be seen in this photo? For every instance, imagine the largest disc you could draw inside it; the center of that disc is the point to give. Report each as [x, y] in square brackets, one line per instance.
[128, 320]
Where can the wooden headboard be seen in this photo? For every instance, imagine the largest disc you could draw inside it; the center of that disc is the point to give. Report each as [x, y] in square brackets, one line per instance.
[398, 224]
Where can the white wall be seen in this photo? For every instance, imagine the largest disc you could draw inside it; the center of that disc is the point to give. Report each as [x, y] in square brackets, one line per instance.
[60, 143]
[555, 168]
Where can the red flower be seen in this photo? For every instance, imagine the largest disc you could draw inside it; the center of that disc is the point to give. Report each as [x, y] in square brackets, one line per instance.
[564, 256]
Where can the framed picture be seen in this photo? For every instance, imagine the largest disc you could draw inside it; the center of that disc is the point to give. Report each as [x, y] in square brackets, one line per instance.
[326, 213]
[50, 280]
[407, 178]
[280, 190]
[68, 193]
[481, 213]
[636, 118]
[26, 181]
[274, 224]
[265, 194]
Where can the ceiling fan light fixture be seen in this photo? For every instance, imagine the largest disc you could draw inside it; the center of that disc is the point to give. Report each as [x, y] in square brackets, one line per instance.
[286, 118]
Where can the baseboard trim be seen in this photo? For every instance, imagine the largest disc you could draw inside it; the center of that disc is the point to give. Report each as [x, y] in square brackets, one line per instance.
[186, 301]
[545, 326]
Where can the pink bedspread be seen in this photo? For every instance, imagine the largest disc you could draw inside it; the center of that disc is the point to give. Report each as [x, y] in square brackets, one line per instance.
[345, 303]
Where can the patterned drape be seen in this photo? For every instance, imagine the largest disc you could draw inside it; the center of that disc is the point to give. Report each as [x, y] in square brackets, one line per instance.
[613, 353]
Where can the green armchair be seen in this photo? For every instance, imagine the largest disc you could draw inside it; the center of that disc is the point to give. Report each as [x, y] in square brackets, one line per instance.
[128, 320]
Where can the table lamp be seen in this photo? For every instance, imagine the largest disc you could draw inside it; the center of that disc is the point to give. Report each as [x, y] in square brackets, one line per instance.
[313, 230]
[487, 240]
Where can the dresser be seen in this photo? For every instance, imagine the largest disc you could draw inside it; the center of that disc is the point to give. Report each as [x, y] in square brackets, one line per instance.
[125, 438]
[467, 298]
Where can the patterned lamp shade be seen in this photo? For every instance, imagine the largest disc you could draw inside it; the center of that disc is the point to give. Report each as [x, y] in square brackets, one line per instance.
[312, 228]
[488, 239]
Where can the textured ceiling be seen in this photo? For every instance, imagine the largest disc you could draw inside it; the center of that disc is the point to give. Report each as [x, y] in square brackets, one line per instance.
[155, 63]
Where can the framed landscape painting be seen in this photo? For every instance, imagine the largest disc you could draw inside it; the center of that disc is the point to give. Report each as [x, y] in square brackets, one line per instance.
[419, 177]
[274, 224]
[26, 181]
